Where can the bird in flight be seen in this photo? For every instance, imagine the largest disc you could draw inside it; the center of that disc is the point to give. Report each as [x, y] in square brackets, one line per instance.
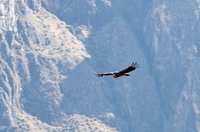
[123, 72]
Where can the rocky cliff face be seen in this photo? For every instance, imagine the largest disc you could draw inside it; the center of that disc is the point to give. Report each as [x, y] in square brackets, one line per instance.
[49, 50]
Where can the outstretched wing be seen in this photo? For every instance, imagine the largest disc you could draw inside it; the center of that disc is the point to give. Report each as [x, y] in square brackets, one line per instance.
[104, 74]
[132, 67]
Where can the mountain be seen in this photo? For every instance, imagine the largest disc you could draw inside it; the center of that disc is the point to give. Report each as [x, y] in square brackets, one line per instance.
[49, 50]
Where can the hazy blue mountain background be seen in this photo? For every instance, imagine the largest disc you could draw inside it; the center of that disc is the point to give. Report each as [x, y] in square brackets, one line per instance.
[49, 50]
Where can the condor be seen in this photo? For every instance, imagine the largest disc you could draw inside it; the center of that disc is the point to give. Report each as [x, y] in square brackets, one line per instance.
[123, 72]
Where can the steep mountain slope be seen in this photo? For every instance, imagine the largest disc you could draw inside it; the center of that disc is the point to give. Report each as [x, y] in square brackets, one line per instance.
[174, 33]
[49, 49]
[32, 48]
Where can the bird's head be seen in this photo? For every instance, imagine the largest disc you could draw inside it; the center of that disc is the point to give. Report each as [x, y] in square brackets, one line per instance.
[114, 75]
